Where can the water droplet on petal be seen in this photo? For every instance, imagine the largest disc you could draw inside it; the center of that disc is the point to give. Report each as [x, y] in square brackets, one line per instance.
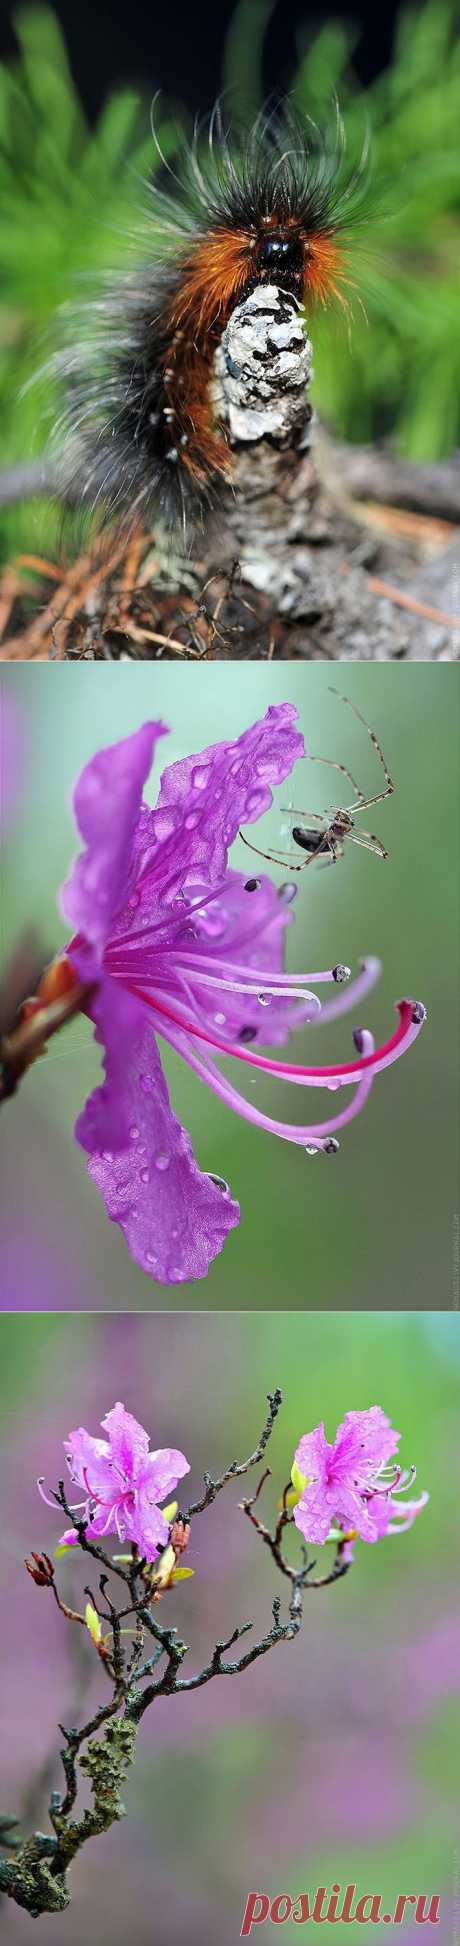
[252, 884]
[331, 1146]
[134, 1132]
[165, 824]
[311, 1149]
[200, 777]
[340, 974]
[287, 893]
[332, 1087]
[264, 999]
[150, 1257]
[220, 1183]
[219, 1020]
[162, 1161]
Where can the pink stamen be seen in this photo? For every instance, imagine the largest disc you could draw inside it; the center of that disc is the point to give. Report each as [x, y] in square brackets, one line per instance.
[344, 1070]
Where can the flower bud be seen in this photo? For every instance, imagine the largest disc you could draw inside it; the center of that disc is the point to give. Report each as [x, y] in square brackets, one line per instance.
[41, 1569]
[93, 1624]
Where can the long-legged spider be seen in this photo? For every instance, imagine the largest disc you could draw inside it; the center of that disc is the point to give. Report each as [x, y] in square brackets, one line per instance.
[327, 844]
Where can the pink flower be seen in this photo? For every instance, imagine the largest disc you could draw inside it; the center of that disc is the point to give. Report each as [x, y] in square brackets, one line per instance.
[348, 1483]
[122, 1483]
[179, 945]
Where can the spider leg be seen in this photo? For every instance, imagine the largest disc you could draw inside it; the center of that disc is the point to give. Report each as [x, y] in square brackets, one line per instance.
[292, 812]
[312, 759]
[273, 857]
[369, 842]
[390, 786]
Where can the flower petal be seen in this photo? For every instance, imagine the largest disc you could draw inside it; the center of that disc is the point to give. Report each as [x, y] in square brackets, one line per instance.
[129, 1444]
[146, 1525]
[89, 1462]
[312, 1454]
[105, 1119]
[107, 801]
[174, 1217]
[162, 1471]
[352, 1511]
[314, 1514]
[364, 1442]
[204, 799]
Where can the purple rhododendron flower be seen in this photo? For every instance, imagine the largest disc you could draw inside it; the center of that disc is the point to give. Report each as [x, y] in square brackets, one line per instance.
[178, 944]
[350, 1483]
[122, 1483]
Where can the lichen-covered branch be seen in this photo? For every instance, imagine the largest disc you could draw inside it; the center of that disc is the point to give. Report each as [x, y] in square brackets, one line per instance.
[102, 1749]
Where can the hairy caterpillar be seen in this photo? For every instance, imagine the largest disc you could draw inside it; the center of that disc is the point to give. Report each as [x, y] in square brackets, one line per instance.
[141, 430]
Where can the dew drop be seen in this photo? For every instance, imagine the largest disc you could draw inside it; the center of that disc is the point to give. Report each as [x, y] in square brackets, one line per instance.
[145, 1175]
[340, 974]
[200, 777]
[331, 1146]
[332, 1087]
[220, 1183]
[150, 1257]
[264, 999]
[310, 1150]
[287, 893]
[165, 824]
[134, 1132]
[219, 1020]
[252, 884]
[162, 1161]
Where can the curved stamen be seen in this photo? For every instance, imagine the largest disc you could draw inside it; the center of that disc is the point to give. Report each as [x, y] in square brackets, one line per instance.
[258, 974]
[279, 983]
[314, 1136]
[55, 1502]
[411, 1017]
[249, 986]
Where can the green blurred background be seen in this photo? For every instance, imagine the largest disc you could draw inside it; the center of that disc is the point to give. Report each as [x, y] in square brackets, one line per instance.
[336, 1757]
[73, 204]
[371, 1227]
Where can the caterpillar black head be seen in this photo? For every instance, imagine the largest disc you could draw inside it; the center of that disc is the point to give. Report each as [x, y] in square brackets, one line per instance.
[275, 208]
